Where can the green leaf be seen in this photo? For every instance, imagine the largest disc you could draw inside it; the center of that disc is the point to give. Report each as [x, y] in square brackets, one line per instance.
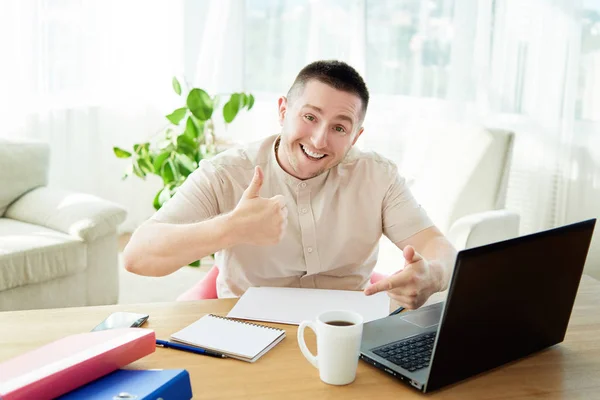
[176, 86]
[141, 148]
[176, 116]
[176, 173]
[138, 171]
[169, 172]
[250, 101]
[146, 165]
[195, 263]
[187, 163]
[161, 197]
[120, 153]
[200, 104]
[160, 160]
[191, 130]
[243, 100]
[231, 108]
[186, 145]
[155, 202]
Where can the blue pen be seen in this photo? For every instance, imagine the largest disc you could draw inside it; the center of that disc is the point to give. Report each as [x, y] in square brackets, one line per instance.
[397, 311]
[191, 349]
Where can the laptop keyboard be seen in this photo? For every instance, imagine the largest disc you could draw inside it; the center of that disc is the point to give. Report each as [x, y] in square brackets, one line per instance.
[412, 354]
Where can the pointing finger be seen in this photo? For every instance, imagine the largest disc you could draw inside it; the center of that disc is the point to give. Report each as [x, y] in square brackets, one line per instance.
[389, 283]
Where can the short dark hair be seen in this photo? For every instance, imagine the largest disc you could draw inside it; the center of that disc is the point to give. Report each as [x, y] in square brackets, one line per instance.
[336, 74]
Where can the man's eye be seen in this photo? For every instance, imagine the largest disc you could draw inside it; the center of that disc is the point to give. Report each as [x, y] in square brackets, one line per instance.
[340, 129]
[309, 117]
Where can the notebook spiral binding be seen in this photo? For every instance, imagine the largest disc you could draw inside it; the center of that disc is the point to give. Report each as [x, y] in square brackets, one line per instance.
[239, 321]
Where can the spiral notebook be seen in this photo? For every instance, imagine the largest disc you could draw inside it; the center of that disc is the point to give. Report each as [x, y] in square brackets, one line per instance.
[236, 339]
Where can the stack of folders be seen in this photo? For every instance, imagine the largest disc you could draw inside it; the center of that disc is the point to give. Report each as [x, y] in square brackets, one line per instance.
[86, 366]
[233, 338]
[171, 384]
[70, 362]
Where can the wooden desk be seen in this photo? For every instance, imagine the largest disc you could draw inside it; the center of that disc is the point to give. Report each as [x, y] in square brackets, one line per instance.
[570, 370]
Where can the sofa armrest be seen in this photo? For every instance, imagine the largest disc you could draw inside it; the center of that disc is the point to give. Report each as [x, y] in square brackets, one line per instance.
[483, 228]
[81, 215]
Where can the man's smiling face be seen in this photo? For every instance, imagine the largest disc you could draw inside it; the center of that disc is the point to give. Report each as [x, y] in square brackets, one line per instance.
[320, 125]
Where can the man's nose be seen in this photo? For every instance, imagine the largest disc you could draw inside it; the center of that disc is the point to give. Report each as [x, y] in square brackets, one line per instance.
[319, 138]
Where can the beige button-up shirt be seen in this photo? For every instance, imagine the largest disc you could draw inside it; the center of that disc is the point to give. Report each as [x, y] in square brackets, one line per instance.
[335, 220]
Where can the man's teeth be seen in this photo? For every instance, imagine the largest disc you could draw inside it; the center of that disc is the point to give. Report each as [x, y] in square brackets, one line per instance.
[310, 153]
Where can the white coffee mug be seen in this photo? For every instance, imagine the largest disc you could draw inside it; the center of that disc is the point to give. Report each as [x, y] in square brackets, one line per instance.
[338, 345]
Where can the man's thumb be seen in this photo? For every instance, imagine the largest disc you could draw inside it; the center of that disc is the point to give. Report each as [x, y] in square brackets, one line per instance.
[410, 255]
[255, 185]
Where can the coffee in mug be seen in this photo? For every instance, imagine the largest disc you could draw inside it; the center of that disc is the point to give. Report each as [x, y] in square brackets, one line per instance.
[339, 323]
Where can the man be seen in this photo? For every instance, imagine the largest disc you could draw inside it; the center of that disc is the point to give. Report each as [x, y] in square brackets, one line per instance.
[300, 209]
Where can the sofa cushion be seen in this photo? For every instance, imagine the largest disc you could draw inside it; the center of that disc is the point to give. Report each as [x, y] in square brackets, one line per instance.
[80, 215]
[33, 254]
[458, 169]
[23, 166]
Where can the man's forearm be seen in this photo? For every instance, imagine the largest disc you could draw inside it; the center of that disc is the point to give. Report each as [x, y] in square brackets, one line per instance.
[442, 254]
[158, 249]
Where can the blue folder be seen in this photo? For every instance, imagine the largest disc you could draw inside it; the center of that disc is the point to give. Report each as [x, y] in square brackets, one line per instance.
[169, 384]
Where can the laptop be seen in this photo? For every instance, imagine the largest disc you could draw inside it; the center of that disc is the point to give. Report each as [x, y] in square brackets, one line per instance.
[506, 300]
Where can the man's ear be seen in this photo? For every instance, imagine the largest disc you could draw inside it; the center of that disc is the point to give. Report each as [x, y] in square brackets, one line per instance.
[282, 104]
[360, 131]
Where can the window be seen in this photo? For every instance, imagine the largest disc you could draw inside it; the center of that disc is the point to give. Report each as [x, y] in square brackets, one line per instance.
[60, 39]
[409, 46]
[587, 104]
[402, 47]
[281, 35]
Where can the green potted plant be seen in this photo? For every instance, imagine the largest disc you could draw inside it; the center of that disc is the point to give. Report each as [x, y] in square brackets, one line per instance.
[189, 137]
[176, 151]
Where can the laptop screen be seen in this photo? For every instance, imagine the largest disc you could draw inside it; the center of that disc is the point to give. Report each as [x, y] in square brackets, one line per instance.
[508, 300]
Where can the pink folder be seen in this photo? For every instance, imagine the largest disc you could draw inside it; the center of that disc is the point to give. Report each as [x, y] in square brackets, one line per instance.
[68, 363]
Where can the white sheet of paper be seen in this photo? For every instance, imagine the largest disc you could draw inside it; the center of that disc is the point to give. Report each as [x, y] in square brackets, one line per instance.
[294, 305]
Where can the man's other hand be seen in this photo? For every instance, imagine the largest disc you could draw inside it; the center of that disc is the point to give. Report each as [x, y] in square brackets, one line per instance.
[260, 221]
[414, 284]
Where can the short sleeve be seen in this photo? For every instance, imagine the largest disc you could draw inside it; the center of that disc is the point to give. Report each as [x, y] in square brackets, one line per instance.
[196, 199]
[402, 215]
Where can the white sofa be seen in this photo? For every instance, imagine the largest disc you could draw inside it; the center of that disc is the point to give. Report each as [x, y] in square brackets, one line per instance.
[459, 174]
[57, 249]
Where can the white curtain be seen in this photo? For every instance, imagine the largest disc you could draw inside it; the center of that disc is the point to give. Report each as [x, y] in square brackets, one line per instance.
[86, 76]
[532, 90]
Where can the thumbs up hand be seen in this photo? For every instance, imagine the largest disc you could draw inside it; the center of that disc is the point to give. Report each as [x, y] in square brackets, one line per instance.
[260, 221]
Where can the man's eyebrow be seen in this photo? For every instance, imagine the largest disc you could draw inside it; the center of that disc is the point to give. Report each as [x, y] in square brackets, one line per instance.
[346, 118]
[313, 107]
[340, 116]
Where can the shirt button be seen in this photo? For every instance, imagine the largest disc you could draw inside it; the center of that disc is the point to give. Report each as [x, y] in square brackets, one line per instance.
[304, 211]
[309, 249]
[303, 185]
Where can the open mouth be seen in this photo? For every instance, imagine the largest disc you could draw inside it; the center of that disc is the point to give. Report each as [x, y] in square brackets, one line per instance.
[312, 155]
